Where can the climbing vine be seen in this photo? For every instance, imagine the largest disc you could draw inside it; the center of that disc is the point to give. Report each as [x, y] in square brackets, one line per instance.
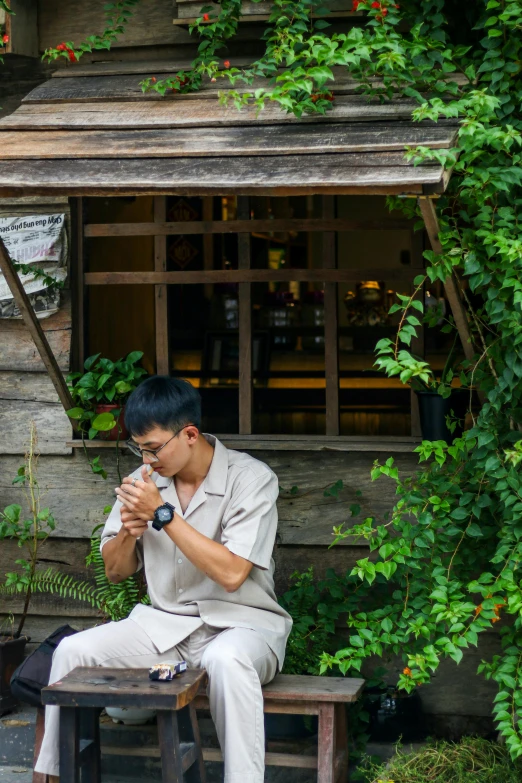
[445, 564]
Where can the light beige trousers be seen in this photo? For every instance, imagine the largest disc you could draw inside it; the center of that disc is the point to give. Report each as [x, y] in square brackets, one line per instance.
[238, 661]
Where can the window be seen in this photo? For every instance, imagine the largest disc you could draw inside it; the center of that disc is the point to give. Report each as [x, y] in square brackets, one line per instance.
[271, 306]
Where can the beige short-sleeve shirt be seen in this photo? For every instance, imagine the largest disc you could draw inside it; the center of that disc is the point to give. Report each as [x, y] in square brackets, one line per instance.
[235, 506]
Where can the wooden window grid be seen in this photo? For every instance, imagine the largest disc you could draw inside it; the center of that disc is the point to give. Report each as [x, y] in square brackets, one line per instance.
[329, 275]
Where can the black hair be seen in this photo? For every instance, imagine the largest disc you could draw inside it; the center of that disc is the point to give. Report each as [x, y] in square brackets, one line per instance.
[160, 401]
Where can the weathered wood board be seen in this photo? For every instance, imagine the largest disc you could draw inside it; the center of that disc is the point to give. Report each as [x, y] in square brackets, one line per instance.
[18, 351]
[180, 142]
[127, 87]
[138, 66]
[61, 20]
[27, 387]
[53, 425]
[276, 175]
[77, 497]
[179, 112]
[192, 8]
[39, 627]
[31, 396]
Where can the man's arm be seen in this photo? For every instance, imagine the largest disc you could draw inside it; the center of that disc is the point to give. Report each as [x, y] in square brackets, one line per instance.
[119, 554]
[214, 559]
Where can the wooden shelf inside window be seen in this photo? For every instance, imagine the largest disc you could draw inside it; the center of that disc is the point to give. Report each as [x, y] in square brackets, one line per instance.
[405, 444]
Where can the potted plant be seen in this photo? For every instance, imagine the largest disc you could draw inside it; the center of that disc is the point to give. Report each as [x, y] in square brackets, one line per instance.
[442, 407]
[30, 532]
[100, 394]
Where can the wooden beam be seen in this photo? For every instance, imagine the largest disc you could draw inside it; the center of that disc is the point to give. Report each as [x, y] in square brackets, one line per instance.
[245, 324]
[22, 29]
[78, 285]
[427, 208]
[245, 276]
[331, 339]
[34, 327]
[160, 291]
[209, 226]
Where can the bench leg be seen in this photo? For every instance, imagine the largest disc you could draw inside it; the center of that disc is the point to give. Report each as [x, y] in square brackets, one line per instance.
[326, 743]
[70, 744]
[341, 744]
[90, 726]
[168, 735]
[39, 777]
[189, 732]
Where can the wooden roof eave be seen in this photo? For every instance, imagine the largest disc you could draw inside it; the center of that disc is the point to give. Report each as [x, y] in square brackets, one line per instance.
[84, 136]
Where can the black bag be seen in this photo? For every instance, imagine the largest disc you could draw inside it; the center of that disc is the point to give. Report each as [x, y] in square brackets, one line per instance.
[33, 673]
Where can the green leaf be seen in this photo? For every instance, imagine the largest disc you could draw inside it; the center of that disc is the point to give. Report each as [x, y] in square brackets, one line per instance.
[103, 422]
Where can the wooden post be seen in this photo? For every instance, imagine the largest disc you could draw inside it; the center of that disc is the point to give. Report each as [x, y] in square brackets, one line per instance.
[427, 208]
[245, 325]
[77, 282]
[331, 340]
[417, 344]
[33, 325]
[160, 291]
[208, 242]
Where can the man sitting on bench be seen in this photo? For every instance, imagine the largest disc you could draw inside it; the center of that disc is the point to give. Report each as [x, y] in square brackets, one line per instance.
[203, 527]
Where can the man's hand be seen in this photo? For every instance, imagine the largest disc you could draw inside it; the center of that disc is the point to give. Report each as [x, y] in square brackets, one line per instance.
[133, 525]
[142, 498]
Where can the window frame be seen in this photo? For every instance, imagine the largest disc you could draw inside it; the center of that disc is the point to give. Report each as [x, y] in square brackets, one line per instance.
[329, 275]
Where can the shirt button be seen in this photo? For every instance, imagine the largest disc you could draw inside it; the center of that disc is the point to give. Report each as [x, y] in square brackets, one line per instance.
[180, 560]
[180, 590]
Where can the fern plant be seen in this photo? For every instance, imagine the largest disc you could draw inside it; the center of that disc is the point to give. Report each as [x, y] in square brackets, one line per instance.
[30, 533]
[115, 601]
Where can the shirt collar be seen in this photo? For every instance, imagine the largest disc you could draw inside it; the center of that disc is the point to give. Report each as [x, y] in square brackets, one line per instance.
[215, 482]
[216, 479]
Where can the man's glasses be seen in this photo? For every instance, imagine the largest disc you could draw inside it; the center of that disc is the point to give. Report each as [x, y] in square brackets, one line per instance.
[152, 454]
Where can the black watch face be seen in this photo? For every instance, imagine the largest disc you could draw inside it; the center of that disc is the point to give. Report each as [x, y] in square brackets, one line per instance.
[164, 514]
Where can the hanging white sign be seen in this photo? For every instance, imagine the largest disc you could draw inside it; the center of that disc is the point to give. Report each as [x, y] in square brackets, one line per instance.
[38, 242]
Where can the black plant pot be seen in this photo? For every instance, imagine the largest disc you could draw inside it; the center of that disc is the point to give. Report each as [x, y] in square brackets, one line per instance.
[11, 656]
[433, 410]
[394, 715]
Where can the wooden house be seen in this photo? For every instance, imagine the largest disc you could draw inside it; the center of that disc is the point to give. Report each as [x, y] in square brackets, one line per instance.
[253, 255]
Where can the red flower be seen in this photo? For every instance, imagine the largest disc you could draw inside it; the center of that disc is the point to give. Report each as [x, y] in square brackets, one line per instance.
[376, 5]
[206, 17]
[61, 47]
[227, 63]
[5, 39]
[407, 671]
[356, 4]
[153, 78]
[72, 56]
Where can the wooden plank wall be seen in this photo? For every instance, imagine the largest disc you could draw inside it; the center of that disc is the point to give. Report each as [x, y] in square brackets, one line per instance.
[26, 391]
[458, 700]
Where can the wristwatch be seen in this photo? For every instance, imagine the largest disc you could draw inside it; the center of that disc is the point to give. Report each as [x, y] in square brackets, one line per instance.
[162, 516]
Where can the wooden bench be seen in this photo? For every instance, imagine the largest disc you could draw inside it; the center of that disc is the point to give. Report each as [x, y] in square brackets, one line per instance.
[325, 697]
